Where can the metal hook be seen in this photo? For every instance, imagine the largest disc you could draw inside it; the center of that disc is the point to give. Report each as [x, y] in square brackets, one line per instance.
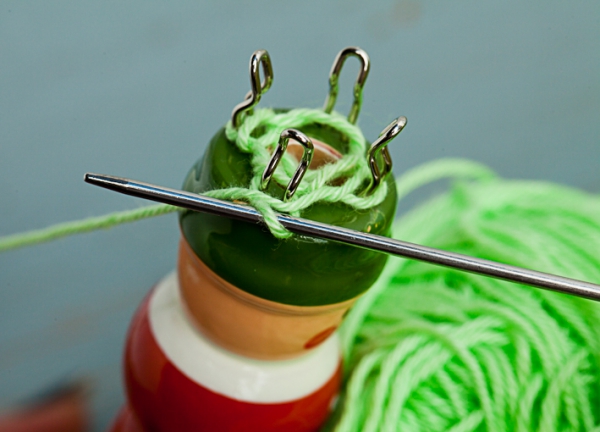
[358, 85]
[284, 138]
[258, 88]
[380, 146]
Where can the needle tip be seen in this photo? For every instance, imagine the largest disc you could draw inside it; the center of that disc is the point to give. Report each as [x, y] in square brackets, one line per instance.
[105, 181]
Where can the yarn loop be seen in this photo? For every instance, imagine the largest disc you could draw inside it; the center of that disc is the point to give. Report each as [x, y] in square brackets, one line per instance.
[317, 185]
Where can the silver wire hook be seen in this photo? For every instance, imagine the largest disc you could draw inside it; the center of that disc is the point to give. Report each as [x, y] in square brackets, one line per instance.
[334, 75]
[380, 146]
[307, 155]
[258, 88]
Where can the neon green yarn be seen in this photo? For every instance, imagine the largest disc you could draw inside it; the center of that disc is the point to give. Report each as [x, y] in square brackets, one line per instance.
[435, 349]
[66, 229]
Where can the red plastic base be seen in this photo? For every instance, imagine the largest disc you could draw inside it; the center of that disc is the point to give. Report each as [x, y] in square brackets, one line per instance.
[166, 400]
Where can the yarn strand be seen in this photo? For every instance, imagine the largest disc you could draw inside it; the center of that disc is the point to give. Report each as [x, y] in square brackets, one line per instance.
[66, 229]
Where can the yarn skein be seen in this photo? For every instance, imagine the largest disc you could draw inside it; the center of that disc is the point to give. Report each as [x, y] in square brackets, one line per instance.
[435, 349]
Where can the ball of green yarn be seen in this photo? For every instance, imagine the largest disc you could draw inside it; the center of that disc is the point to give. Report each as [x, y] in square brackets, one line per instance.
[434, 349]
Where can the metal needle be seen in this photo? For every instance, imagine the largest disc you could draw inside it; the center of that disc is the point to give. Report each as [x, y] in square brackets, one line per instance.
[378, 243]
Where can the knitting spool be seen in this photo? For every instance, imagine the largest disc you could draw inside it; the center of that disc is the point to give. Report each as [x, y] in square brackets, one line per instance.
[288, 295]
[243, 335]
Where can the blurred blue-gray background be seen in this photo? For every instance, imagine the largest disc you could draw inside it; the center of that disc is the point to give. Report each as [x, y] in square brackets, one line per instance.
[137, 89]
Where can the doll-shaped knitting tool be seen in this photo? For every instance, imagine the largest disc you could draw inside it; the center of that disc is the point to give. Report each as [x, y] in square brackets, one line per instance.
[243, 336]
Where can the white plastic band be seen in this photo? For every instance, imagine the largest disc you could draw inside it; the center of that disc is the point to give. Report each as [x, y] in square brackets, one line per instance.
[229, 374]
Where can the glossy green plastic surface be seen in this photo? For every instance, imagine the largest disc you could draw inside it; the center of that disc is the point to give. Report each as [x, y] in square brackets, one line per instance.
[299, 270]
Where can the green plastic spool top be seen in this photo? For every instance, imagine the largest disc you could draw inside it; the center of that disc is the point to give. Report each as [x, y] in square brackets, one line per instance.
[299, 270]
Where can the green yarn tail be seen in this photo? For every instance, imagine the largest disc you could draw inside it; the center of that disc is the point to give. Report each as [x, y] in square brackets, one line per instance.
[435, 349]
[66, 229]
